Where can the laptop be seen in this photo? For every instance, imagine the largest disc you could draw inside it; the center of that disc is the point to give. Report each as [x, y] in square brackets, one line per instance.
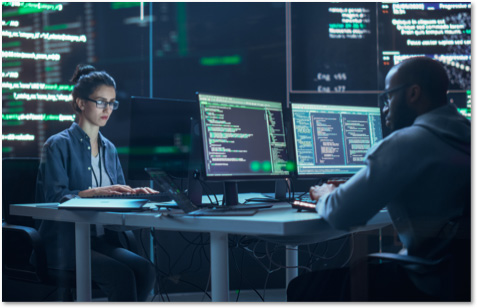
[101, 204]
[166, 185]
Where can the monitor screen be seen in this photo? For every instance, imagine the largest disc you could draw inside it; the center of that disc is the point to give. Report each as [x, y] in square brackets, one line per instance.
[160, 136]
[242, 138]
[333, 140]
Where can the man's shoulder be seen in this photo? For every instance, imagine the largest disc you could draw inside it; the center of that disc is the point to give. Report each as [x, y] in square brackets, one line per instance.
[407, 134]
[401, 140]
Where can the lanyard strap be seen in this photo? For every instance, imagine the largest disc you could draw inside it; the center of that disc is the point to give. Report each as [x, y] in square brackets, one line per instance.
[100, 171]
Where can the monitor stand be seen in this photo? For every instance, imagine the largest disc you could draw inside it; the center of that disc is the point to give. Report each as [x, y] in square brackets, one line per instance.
[281, 188]
[194, 188]
[230, 193]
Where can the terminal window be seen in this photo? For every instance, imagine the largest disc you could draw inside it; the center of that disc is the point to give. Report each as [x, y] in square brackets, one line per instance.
[333, 139]
[242, 137]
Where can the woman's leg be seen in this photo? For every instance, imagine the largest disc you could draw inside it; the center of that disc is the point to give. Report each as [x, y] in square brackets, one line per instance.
[114, 278]
[142, 270]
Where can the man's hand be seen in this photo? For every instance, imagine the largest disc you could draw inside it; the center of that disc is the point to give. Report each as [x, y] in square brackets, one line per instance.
[316, 192]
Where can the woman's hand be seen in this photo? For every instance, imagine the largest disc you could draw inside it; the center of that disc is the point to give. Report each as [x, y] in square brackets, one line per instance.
[106, 190]
[144, 190]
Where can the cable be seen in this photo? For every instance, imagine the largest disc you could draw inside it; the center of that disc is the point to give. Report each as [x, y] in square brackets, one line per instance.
[337, 253]
[266, 280]
[181, 254]
[255, 290]
[257, 259]
[241, 276]
[192, 243]
[206, 287]
[351, 252]
[192, 260]
[207, 190]
[153, 264]
[284, 266]
[163, 249]
[162, 277]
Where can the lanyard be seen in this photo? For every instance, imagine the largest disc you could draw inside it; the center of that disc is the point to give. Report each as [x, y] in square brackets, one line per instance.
[100, 171]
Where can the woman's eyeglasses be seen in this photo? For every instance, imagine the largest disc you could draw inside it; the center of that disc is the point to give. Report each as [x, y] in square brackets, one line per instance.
[102, 105]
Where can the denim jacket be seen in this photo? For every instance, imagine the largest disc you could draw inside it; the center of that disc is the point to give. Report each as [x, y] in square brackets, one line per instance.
[65, 167]
[65, 170]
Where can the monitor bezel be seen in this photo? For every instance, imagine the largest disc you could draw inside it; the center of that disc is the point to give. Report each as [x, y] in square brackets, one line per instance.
[320, 176]
[237, 178]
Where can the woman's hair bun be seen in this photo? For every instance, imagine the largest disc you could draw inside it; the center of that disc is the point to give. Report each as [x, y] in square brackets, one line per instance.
[81, 70]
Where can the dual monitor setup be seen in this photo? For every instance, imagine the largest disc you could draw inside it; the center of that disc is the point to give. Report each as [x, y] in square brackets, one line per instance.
[228, 139]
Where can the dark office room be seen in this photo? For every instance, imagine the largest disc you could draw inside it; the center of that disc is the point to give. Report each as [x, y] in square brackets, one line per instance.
[280, 152]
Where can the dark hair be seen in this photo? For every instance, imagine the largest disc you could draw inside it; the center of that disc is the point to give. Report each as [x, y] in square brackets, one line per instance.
[86, 80]
[429, 74]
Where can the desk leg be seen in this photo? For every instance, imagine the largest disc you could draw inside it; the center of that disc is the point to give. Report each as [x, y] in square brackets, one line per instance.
[83, 262]
[219, 266]
[291, 263]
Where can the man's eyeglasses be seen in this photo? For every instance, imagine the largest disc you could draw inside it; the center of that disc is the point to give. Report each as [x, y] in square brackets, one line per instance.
[102, 105]
[384, 98]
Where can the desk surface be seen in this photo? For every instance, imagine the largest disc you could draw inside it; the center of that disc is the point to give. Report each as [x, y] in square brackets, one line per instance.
[281, 223]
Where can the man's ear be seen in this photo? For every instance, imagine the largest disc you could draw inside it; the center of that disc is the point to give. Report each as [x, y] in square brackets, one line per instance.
[414, 93]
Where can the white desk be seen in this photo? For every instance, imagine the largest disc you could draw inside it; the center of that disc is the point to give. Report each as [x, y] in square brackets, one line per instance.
[279, 224]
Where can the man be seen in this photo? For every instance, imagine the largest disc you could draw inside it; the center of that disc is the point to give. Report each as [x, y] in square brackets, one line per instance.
[421, 173]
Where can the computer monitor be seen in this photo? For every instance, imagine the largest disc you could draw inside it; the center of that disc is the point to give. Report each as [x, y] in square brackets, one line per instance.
[243, 139]
[332, 141]
[160, 136]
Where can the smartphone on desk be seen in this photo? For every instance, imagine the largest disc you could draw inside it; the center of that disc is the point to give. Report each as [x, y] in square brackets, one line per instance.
[304, 205]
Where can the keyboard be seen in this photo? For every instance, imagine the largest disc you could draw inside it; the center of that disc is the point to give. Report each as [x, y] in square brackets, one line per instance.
[157, 197]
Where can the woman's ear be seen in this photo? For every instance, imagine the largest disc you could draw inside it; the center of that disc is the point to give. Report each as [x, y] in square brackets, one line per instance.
[80, 103]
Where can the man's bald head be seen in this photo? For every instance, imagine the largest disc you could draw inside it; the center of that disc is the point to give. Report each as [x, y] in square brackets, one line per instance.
[429, 74]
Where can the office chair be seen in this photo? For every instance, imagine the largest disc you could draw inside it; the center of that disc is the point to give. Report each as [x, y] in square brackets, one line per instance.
[21, 241]
[19, 236]
[449, 272]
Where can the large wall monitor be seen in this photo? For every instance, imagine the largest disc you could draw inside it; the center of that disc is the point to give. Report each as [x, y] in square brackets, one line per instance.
[333, 140]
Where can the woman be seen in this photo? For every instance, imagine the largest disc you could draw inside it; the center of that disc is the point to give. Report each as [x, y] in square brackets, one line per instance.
[81, 162]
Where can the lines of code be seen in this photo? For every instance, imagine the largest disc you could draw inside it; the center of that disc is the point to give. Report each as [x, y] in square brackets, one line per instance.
[38, 43]
[441, 31]
[334, 46]
[243, 139]
[333, 139]
[354, 23]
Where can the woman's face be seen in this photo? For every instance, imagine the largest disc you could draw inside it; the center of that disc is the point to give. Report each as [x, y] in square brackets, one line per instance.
[91, 113]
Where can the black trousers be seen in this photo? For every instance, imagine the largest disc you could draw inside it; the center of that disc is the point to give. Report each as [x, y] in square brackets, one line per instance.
[123, 275]
[385, 282]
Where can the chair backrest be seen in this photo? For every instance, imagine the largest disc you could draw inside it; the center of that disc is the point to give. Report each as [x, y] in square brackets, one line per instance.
[18, 186]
